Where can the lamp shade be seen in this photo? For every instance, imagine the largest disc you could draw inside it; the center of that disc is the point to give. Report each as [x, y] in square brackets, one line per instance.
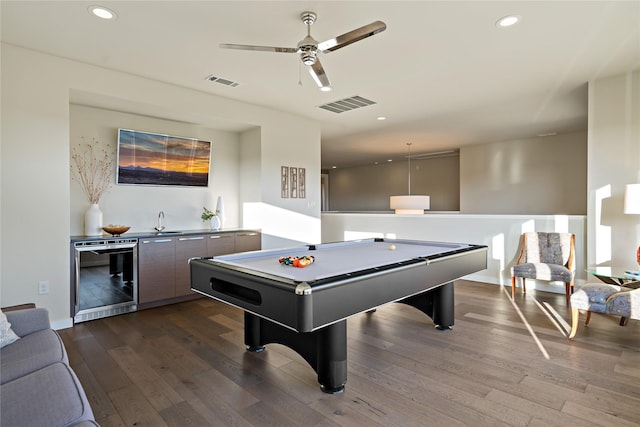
[409, 204]
[632, 199]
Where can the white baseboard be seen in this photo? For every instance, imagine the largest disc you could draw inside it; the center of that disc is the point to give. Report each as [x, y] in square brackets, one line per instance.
[62, 324]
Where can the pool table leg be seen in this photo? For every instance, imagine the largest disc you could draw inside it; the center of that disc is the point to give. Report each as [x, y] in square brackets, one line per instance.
[324, 349]
[252, 339]
[437, 303]
[332, 357]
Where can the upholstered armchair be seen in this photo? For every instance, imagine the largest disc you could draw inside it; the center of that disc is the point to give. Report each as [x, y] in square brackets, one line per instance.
[545, 256]
[606, 299]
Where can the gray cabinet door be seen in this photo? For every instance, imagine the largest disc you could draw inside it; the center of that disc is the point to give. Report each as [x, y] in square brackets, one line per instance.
[156, 269]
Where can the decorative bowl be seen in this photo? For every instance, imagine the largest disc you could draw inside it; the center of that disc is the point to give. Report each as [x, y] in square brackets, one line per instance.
[116, 230]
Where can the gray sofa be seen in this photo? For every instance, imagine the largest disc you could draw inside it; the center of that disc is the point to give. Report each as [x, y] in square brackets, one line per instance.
[37, 385]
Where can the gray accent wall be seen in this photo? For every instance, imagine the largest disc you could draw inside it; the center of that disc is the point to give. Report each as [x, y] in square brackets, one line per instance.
[537, 176]
[368, 188]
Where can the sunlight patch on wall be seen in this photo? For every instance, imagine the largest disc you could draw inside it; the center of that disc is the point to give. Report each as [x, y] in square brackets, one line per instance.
[561, 223]
[528, 226]
[603, 232]
[497, 252]
[281, 222]
[357, 235]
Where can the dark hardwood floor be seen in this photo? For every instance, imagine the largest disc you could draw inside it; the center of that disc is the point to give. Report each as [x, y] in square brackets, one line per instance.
[503, 364]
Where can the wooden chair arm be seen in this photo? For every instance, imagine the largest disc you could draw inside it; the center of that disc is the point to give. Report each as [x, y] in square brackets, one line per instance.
[523, 244]
[572, 253]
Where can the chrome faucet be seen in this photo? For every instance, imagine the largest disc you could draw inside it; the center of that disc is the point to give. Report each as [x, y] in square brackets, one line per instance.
[160, 227]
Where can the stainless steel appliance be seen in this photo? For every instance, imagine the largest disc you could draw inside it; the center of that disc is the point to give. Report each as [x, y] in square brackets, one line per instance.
[105, 278]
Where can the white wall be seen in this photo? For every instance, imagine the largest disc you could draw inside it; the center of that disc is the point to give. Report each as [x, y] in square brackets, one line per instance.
[35, 180]
[614, 161]
[251, 165]
[530, 176]
[501, 233]
[138, 206]
[282, 219]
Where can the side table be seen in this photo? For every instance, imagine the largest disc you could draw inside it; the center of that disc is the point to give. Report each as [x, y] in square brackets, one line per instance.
[616, 276]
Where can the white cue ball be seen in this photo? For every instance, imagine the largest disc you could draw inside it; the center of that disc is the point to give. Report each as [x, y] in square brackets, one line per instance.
[392, 247]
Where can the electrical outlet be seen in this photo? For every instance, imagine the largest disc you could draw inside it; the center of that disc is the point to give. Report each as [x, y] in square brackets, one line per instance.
[43, 287]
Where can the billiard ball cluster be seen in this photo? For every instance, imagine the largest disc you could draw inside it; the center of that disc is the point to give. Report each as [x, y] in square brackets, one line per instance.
[296, 261]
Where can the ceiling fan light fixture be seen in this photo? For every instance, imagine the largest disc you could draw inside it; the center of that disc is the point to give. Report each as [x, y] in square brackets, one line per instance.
[308, 54]
[308, 58]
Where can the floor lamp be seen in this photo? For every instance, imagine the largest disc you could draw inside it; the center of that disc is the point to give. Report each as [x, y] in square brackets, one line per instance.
[632, 206]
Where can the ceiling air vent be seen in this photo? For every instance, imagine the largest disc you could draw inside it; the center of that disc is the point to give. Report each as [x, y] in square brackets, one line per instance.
[222, 81]
[347, 104]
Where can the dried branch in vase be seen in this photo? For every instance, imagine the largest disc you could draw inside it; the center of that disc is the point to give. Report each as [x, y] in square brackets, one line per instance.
[92, 168]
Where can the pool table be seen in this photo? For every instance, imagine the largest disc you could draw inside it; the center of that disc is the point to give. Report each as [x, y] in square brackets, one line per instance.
[306, 308]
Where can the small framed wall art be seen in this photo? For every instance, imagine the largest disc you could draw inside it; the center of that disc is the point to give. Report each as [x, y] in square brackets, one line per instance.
[302, 188]
[293, 182]
[284, 182]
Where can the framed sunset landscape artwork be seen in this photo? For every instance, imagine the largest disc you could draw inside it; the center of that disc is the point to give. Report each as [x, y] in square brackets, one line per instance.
[146, 158]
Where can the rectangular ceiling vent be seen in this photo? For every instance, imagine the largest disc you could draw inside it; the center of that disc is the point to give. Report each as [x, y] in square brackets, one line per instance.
[347, 104]
[222, 81]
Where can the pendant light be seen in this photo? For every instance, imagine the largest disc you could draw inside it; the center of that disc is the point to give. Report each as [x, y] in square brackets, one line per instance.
[409, 204]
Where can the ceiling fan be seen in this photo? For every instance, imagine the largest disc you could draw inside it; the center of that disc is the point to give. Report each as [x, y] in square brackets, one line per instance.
[308, 48]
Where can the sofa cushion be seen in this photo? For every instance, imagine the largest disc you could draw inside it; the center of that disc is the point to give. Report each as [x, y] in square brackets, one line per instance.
[7, 336]
[51, 396]
[30, 353]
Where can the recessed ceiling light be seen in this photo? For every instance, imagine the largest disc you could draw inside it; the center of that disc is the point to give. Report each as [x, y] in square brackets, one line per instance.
[102, 12]
[325, 88]
[381, 118]
[333, 167]
[507, 21]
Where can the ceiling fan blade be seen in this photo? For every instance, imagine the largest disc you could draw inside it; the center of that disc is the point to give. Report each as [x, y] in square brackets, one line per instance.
[352, 37]
[318, 75]
[259, 48]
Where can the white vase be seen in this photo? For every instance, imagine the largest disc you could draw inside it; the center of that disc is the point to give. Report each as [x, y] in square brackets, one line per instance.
[215, 223]
[93, 221]
[220, 209]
